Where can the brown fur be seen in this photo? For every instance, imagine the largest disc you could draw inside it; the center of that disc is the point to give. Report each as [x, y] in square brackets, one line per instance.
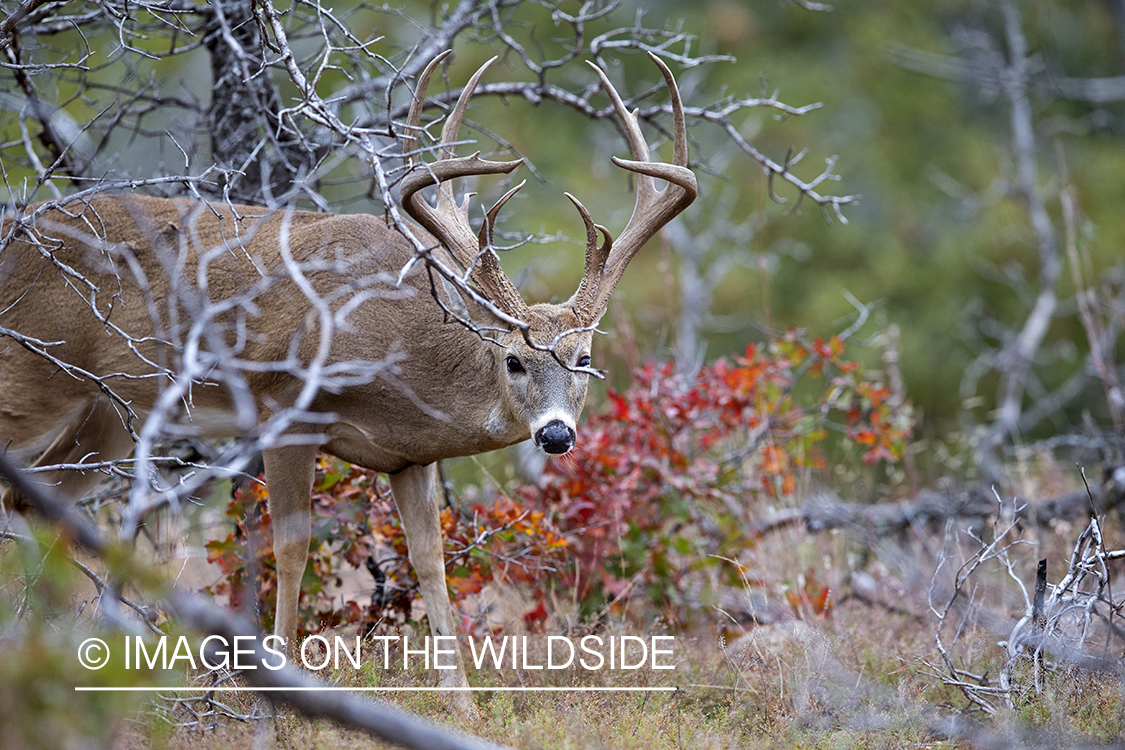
[449, 394]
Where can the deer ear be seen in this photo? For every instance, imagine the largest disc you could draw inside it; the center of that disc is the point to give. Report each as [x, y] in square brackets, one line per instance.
[461, 307]
[587, 317]
[454, 300]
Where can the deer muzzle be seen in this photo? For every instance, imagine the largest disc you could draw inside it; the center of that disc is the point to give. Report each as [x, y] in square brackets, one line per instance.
[555, 437]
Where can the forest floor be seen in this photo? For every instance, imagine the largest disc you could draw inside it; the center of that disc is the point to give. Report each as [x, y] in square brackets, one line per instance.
[860, 672]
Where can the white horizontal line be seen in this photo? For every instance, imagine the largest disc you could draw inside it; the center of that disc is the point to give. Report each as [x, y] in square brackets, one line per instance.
[338, 688]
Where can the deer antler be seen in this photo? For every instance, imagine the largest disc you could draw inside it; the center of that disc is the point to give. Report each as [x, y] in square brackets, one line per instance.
[447, 221]
[606, 262]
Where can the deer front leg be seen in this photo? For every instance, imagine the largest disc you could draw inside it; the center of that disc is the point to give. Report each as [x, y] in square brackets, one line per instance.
[289, 478]
[415, 493]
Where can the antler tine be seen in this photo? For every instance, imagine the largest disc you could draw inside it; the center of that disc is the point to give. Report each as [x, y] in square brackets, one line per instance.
[488, 229]
[637, 144]
[595, 255]
[453, 122]
[450, 130]
[447, 221]
[414, 118]
[653, 209]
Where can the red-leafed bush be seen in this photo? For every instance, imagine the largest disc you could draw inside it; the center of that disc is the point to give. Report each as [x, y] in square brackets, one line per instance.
[661, 484]
[356, 527]
[663, 477]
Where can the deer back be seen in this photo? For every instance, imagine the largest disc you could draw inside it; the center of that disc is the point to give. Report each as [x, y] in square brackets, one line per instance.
[121, 281]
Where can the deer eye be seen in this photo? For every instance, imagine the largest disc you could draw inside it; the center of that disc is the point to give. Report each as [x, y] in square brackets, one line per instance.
[584, 360]
[514, 365]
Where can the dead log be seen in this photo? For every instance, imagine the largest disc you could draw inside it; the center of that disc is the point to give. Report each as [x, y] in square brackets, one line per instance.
[931, 507]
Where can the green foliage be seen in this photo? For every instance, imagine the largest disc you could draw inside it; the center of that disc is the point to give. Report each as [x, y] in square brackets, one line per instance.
[931, 237]
[48, 609]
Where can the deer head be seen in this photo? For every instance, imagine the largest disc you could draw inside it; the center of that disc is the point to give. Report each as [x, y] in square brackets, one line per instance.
[544, 364]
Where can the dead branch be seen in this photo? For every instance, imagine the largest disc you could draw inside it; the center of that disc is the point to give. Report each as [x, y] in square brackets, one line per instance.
[1004, 65]
[931, 507]
[1053, 633]
[378, 719]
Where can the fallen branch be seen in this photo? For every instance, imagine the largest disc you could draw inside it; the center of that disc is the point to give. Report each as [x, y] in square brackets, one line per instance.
[380, 720]
[827, 512]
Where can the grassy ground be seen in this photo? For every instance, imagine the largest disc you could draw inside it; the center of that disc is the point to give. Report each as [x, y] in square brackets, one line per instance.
[848, 683]
[856, 677]
[778, 691]
[859, 675]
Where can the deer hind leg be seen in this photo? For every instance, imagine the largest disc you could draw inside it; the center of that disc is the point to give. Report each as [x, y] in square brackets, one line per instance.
[415, 493]
[94, 433]
[289, 478]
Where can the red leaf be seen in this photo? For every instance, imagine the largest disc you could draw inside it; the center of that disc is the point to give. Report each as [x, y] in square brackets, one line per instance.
[536, 617]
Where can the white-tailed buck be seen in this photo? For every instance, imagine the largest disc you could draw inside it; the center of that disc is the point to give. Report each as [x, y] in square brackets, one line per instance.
[107, 281]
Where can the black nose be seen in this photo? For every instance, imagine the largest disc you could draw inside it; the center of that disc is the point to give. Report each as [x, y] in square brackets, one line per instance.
[555, 437]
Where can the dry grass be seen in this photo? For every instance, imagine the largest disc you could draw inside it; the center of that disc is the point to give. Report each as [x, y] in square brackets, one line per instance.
[849, 679]
[788, 685]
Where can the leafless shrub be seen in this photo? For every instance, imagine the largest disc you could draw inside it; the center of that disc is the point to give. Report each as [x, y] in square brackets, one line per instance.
[996, 59]
[1072, 629]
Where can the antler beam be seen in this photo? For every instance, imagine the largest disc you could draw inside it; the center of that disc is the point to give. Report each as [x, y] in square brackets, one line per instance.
[606, 263]
[447, 221]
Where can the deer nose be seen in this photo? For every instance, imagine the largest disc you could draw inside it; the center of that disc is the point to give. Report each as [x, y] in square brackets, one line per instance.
[555, 437]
